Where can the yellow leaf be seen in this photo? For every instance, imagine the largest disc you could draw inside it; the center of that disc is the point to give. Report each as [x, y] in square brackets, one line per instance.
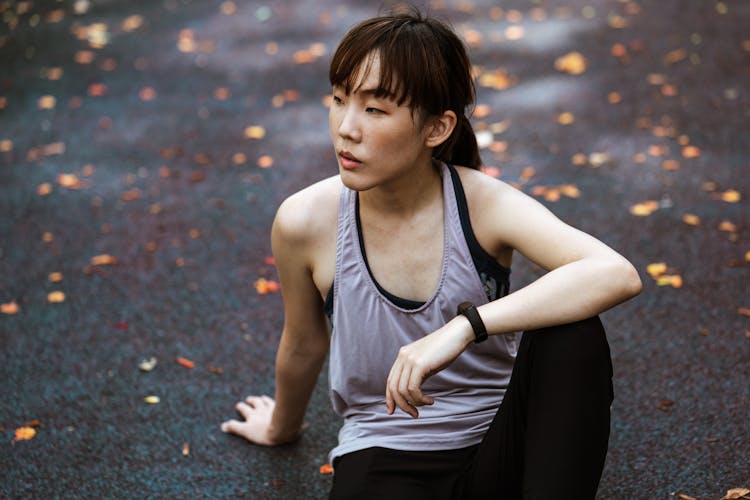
[24, 434]
[572, 62]
[147, 365]
[731, 196]
[570, 190]
[55, 277]
[255, 132]
[728, 226]
[44, 189]
[685, 497]
[185, 449]
[673, 280]
[645, 208]
[656, 269]
[55, 297]
[691, 152]
[152, 400]
[747, 256]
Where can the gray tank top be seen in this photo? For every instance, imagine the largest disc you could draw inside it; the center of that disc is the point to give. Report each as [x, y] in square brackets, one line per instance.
[368, 330]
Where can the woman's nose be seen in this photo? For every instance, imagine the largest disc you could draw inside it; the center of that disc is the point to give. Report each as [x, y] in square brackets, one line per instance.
[349, 126]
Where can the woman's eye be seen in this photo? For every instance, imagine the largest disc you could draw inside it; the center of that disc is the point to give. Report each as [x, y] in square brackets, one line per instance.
[374, 110]
[338, 100]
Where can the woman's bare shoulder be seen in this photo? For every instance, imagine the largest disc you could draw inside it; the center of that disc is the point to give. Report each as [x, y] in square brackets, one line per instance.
[310, 211]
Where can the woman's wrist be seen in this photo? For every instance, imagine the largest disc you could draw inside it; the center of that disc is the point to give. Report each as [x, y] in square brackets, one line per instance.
[463, 330]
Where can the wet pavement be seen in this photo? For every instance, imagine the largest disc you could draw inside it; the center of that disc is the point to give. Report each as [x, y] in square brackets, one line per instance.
[144, 148]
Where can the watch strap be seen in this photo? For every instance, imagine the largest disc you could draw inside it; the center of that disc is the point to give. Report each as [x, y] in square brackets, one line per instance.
[469, 310]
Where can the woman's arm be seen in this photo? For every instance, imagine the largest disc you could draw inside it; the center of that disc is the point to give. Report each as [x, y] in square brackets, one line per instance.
[304, 339]
[585, 278]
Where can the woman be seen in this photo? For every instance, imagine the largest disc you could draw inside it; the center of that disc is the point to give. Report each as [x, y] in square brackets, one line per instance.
[409, 257]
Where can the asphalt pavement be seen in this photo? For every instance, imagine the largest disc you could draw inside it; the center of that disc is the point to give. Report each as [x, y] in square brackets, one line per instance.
[145, 146]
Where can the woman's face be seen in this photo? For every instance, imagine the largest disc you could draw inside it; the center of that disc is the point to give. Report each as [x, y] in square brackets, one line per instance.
[376, 140]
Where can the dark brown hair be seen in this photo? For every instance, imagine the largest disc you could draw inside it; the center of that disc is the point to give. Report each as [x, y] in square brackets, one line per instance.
[422, 63]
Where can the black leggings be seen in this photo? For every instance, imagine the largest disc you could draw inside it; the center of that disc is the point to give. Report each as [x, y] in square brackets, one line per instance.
[548, 439]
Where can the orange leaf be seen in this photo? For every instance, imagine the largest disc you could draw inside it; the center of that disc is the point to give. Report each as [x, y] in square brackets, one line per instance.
[326, 469]
[103, 260]
[685, 497]
[673, 280]
[747, 256]
[185, 449]
[255, 132]
[745, 311]
[55, 297]
[264, 286]
[691, 220]
[185, 362]
[9, 308]
[24, 433]
[691, 152]
[728, 226]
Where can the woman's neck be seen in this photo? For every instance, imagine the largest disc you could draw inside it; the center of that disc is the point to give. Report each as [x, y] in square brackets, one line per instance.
[406, 195]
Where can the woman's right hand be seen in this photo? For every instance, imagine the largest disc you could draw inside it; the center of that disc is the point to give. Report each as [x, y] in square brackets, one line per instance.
[256, 426]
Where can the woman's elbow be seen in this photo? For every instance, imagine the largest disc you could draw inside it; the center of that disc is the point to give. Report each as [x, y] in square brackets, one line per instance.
[629, 279]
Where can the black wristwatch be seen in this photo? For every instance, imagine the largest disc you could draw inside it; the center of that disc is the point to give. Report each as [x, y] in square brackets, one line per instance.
[470, 311]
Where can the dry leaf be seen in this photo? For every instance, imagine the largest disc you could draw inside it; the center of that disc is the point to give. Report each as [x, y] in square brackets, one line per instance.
[673, 280]
[731, 196]
[185, 449]
[24, 433]
[685, 497]
[264, 286]
[745, 311]
[326, 469]
[185, 362]
[736, 493]
[152, 400]
[147, 365]
[9, 308]
[656, 269]
[255, 132]
[44, 189]
[566, 118]
[691, 220]
[265, 161]
[728, 226]
[55, 297]
[572, 62]
[103, 260]
[665, 405]
[644, 208]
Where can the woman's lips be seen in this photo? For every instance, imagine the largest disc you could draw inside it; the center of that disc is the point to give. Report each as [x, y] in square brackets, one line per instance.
[348, 160]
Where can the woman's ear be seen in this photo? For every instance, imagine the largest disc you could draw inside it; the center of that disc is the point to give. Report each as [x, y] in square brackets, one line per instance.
[440, 128]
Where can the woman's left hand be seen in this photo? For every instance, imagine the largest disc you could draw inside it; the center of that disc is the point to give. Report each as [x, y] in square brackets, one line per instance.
[421, 359]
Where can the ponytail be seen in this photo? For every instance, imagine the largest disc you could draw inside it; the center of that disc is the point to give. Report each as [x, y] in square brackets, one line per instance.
[461, 147]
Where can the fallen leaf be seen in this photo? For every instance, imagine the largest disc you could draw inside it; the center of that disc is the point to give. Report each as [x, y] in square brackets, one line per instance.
[691, 152]
[185, 449]
[255, 132]
[656, 269]
[147, 365]
[264, 286]
[9, 308]
[573, 63]
[728, 226]
[747, 256]
[55, 297]
[745, 311]
[103, 260]
[665, 405]
[152, 400]
[685, 497]
[691, 220]
[271, 261]
[265, 161]
[44, 189]
[566, 118]
[670, 165]
[216, 370]
[326, 469]
[24, 434]
[731, 196]
[673, 280]
[736, 493]
[644, 208]
[185, 362]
